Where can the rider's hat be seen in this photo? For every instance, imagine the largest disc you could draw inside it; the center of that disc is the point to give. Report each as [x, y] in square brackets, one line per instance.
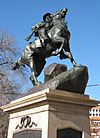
[45, 15]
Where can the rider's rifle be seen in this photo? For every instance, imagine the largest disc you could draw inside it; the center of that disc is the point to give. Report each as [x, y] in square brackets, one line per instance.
[35, 30]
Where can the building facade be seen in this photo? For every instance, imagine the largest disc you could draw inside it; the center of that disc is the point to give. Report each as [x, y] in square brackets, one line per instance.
[94, 114]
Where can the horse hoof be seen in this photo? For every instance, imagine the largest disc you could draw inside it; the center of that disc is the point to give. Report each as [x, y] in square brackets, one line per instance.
[37, 83]
[77, 65]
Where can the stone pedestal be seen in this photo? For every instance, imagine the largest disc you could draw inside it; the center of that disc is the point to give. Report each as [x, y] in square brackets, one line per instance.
[50, 114]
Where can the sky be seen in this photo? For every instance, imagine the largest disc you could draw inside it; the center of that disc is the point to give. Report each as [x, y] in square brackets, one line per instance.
[18, 16]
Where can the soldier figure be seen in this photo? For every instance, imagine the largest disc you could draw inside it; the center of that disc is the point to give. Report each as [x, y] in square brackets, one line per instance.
[42, 32]
[52, 39]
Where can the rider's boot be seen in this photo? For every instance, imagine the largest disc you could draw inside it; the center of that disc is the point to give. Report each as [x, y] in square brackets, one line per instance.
[48, 44]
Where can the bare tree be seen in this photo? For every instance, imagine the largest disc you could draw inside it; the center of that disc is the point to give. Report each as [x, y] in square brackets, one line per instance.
[9, 86]
[8, 54]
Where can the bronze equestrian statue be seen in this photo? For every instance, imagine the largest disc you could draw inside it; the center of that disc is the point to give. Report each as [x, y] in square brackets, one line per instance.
[52, 39]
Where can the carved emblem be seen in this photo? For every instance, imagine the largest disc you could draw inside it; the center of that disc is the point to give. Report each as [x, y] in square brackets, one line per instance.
[25, 122]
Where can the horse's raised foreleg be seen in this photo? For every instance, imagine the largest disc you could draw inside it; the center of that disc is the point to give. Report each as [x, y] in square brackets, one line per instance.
[69, 54]
[59, 40]
[65, 46]
[33, 75]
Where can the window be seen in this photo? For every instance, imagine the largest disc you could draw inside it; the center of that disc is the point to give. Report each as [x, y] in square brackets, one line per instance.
[28, 134]
[93, 130]
[68, 133]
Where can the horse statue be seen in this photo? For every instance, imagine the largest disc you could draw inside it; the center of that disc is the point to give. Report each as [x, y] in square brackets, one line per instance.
[52, 40]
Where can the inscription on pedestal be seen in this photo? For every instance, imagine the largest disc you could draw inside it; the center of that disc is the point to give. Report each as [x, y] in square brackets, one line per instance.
[68, 133]
[28, 134]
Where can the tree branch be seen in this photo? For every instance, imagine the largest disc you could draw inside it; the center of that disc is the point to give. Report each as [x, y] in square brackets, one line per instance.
[6, 63]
